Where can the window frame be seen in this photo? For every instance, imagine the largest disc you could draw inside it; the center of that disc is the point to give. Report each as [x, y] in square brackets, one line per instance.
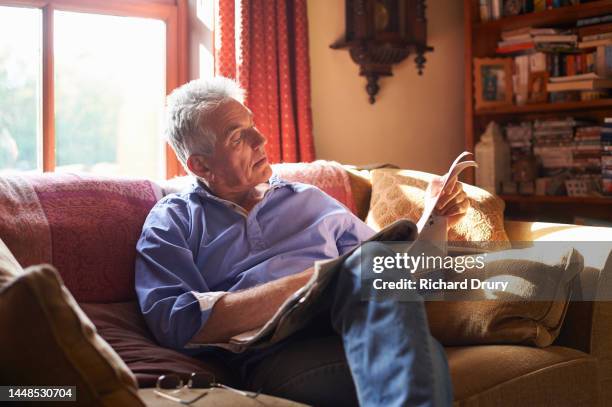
[172, 12]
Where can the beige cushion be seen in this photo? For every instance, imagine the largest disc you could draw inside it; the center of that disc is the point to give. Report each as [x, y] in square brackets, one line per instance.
[9, 267]
[531, 309]
[47, 340]
[401, 193]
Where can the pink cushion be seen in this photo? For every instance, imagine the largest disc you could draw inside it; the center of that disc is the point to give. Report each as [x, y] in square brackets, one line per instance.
[86, 226]
[328, 176]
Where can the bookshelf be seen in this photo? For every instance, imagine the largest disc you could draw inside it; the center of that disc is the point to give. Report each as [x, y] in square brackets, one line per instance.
[481, 40]
[547, 107]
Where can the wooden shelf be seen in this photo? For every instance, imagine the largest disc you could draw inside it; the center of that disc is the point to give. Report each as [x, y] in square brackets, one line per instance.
[557, 16]
[588, 200]
[545, 107]
[481, 40]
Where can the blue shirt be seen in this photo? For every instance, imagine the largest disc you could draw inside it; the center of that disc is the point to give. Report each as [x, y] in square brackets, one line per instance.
[195, 242]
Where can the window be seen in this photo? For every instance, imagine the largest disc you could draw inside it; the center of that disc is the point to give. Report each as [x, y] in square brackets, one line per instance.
[82, 85]
[109, 93]
[20, 69]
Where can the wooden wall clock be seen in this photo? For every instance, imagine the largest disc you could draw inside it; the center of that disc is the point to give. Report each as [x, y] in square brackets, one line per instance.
[381, 33]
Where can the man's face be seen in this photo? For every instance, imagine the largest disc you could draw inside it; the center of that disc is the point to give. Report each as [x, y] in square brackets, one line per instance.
[239, 161]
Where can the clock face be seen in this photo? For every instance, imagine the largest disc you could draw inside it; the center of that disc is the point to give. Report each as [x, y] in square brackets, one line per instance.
[512, 7]
[381, 16]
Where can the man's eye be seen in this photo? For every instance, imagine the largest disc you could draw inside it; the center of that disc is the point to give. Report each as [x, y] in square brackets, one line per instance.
[237, 139]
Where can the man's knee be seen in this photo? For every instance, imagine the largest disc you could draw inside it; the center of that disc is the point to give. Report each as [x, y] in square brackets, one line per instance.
[312, 371]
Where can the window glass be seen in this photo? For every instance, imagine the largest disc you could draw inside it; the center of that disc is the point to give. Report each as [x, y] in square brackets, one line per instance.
[109, 94]
[20, 73]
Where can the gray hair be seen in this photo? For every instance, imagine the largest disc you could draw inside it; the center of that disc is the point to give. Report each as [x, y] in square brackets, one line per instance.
[187, 108]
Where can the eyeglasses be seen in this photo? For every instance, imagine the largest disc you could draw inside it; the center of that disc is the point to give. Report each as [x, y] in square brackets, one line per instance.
[169, 385]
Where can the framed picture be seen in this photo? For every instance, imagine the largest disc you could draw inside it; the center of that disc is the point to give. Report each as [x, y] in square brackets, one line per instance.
[537, 87]
[493, 81]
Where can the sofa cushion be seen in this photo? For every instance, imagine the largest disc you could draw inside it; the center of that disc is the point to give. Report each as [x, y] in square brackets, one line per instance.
[530, 310]
[9, 267]
[522, 376]
[53, 343]
[23, 225]
[328, 176]
[124, 328]
[361, 187]
[86, 226]
[401, 194]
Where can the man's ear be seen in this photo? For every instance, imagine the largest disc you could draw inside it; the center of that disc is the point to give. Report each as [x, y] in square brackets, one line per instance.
[198, 165]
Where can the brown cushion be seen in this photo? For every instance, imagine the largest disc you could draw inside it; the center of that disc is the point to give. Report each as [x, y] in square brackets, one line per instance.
[9, 267]
[522, 376]
[47, 340]
[400, 194]
[361, 186]
[123, 327]
[531, 309]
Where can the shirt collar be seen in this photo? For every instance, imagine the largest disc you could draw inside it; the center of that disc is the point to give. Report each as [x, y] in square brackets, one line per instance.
[204, 190]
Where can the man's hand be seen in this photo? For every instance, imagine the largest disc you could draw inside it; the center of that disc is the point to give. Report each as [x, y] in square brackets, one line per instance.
[453, 202]
[241, 311]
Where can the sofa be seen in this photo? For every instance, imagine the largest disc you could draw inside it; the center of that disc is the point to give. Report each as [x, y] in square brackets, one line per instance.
[87, 226]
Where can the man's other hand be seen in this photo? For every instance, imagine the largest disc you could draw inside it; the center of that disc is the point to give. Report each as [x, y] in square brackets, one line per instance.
[453, 202]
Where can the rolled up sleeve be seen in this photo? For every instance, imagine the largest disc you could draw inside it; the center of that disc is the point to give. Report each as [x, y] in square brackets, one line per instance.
[167, 279]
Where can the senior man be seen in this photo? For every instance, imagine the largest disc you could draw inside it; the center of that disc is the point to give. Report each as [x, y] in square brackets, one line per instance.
[219, 259]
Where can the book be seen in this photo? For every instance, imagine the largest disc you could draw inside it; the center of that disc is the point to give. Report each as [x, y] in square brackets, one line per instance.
[594, 43]
[555, 38]
[603, 60]
[595, 37]
[484, 7]
[515, 40]
[496, 9]
[528, 32]
[524, 46]
[309, 300]
[594, 20]
[595, 29]
[537, 62]
[580, 77]
[590, 84]
[587, 95]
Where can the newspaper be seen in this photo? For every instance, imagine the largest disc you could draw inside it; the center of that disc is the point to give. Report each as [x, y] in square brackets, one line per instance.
[308, 301]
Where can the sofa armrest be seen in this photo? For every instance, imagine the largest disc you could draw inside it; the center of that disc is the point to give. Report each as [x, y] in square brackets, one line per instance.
[588, 324]
[542, 231]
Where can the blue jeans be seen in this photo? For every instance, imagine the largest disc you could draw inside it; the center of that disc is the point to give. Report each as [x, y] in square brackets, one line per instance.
[392, 357]
[394, 360]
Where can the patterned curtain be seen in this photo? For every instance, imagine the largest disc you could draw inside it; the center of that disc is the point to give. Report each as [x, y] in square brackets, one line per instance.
[264, 45]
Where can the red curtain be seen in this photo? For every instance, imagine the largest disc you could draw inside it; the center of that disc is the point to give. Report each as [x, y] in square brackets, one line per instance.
[264, 45]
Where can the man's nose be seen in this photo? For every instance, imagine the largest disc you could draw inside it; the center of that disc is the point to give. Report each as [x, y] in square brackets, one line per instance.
[257, 139]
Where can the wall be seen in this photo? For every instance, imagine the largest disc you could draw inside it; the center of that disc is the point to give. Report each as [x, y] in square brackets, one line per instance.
[416, 122]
